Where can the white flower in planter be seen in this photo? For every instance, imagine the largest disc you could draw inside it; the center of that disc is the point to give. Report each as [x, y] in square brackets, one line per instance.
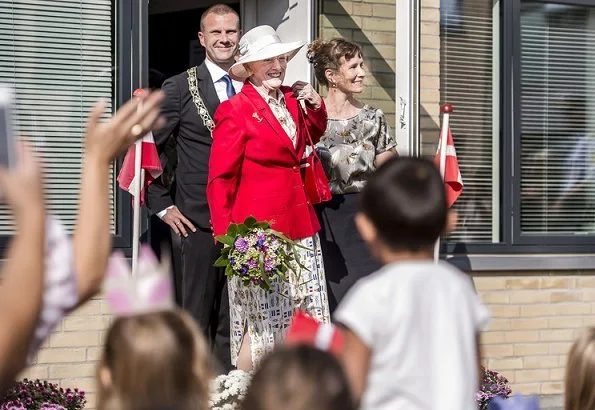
[228, 390]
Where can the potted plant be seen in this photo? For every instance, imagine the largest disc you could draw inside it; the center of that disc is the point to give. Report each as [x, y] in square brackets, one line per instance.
[42, 395]
[492, 384]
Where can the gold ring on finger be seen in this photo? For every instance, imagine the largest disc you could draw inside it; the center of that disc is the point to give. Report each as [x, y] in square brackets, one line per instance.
[136, 130]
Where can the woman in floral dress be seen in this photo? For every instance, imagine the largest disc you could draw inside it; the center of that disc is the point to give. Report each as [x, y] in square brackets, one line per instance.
[357, 140]
[259, 143]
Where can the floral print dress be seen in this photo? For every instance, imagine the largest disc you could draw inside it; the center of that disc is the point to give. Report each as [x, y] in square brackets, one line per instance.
[266, 315]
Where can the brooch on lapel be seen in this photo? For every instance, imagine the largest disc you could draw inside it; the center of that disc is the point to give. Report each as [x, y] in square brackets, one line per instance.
[256, 116]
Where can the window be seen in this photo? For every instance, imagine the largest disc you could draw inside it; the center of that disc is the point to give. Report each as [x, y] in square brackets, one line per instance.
[520, 75]
[59, 57]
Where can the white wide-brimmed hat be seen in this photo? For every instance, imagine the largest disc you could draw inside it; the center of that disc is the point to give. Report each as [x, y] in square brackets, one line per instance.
[258, 44]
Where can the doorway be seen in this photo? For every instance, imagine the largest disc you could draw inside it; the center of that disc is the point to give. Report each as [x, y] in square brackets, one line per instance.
[173, 36]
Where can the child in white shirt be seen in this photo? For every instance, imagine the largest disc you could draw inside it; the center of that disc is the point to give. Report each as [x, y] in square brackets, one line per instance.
[412, 328]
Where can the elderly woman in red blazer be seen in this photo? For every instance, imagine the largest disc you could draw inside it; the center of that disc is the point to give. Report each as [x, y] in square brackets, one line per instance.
[259, 143]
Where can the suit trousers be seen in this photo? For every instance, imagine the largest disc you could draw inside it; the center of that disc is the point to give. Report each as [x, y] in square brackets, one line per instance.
[204, 292]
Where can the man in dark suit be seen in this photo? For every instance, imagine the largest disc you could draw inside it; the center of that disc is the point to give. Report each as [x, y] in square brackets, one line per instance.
[191, 100]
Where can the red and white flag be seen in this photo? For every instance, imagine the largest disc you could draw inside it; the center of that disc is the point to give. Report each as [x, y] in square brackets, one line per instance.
[150, 163]
[453, 182]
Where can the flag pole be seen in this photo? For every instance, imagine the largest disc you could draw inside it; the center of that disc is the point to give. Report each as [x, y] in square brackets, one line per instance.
[446, 109]
[139, 178]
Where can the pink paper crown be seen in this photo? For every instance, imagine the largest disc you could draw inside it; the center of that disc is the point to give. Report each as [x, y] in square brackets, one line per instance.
[149, 291]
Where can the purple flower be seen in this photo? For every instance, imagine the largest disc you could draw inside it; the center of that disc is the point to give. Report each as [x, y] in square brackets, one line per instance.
[244, 270]
[252, 263]
[269, 264]
[242, 245]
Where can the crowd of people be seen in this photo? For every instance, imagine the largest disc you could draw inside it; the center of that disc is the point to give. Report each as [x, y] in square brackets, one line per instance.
[410, 327]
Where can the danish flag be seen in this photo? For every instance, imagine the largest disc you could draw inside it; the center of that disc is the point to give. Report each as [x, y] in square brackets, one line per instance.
[453, 182]
[150, 164]
[304, 329]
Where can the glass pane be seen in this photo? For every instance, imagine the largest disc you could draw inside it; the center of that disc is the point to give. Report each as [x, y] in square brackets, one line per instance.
[59, 57]
[557, 119]
[460, 66]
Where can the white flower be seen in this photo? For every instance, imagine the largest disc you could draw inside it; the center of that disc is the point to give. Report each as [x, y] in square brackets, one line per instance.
[228, 390]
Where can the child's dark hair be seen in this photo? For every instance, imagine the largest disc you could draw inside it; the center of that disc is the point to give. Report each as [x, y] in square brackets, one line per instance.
[405, 200]
[299, 377]
[326, 55]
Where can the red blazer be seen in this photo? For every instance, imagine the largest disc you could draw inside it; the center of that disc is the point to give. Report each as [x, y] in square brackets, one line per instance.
[254, 170]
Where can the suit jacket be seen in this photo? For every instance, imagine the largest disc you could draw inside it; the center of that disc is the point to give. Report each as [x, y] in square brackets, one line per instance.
[254, 168]
[193, 147]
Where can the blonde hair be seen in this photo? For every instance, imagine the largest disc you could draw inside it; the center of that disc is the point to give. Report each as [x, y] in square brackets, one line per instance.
[155, 360]
[580, 373]
[326, 55]
[299, 377]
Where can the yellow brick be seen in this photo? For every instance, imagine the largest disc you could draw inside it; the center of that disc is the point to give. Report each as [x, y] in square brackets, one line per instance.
[73, 371]
[91, 400]
[538, 310]
[488, 283]
[386, 11]
[373, 37]
[522, 283]
[93, 307]
[342, 21]
[35, 372]
[540, 362]
[430, 4]
[75, 339]
[326, 34]
[500, 324]
[379, 24]
[94, 353]
[492, 337]
[569, 296]
[384, 50]
[557, 283]
[61, 355]
[531, 376]
[525, 297]
[430, 15]
[430, 95]
[85, 323]
[430, 42]
[565, 322]
[363, 9]
[531, 349]
[430, 29]
[527, 324]
[505, 364]
[505, 311]
[428, 54]
[430, 69]
[573, 309]
[431, 82]
[586, 282]
[84, 383]
[560, 335]
[560, 348]
[552, 388]
[521, 336]
[557, 374]
[337, 7]
[498, 351]
[526, 388]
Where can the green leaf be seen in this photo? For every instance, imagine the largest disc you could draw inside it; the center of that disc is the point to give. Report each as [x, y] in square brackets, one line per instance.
[221, 262]
[224, 239]
[232, 230]
[243, 230]
[228, 271]
[250, 222]
[262, 225]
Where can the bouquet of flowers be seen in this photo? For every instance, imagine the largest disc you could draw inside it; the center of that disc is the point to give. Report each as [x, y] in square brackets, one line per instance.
[38, 395]
[228, 390]
[493, 384]
[256, 253]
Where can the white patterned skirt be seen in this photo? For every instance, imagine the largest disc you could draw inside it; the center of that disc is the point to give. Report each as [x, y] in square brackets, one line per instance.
[266, 315]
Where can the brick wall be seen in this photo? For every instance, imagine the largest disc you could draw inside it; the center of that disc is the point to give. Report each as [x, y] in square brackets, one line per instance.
[69, 358]
[535, 319]
[371, 24]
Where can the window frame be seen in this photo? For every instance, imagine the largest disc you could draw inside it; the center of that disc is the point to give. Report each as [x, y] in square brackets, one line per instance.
[128, 75]
[512, 241]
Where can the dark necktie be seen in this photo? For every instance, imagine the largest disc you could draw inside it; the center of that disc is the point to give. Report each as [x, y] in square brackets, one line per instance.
[228, 86]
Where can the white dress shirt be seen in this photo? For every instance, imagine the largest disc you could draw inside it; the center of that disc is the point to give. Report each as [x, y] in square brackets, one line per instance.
[217, 74]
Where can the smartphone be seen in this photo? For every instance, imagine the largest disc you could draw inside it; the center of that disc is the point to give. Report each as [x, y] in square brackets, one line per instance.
[7, 140]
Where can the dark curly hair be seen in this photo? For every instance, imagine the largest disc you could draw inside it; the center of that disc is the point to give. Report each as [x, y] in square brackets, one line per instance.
[326, 55]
